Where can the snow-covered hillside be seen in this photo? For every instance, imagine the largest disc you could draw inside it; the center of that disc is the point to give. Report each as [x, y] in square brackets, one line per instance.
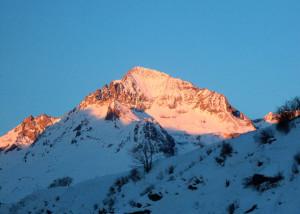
[94, 139]
[84, 144]
[240, 175]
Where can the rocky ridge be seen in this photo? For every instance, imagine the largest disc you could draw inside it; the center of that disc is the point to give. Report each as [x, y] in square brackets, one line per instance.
[25, 133]
[273, 118]
[167, 98]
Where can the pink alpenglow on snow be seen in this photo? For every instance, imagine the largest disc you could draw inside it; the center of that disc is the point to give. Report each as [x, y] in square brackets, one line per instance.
[176, 104]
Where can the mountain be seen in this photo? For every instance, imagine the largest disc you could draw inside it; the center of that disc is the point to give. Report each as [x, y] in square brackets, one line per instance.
[240, 175]
[176, 104]
[25, 133]
[94, 139]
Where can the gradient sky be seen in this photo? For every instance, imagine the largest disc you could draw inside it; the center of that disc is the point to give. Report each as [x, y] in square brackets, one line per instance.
[54, 53]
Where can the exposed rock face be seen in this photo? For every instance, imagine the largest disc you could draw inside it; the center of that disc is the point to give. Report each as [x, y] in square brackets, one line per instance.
[118, 111]
[174, 103]
[25, 133]
[152, 131]
[273, 118]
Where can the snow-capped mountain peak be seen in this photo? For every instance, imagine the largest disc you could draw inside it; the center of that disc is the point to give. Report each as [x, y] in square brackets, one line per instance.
[25, 133]
[176, 104]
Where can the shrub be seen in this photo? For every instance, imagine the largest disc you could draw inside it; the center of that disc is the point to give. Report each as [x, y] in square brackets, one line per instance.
[284, 124]
[291, 105]
[295, 171]
[96, 206]
[171, 178]
[265, 136]
[147, 190]
[120, 182]
[286, 113]
[220, 160]
[297, 158]
[111, 191]
[135, 175]
[171, 169]
[133, 204]
[231, 208]
[261, 183]
[209, 151]
[61, 182]
[109, 203]
[226, 150]
[295, 165]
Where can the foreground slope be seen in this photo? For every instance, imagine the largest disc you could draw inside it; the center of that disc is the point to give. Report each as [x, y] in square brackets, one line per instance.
[253, 178]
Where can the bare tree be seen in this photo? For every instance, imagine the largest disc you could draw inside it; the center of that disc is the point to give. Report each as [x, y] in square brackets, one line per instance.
[142, 153]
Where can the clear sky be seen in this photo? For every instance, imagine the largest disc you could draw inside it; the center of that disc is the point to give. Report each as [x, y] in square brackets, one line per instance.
[54, 53]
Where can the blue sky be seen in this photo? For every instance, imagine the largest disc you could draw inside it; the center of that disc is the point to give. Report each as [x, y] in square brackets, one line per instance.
[54, 53]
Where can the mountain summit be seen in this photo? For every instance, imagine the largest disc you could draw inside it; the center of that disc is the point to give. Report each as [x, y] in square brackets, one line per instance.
[176, 104]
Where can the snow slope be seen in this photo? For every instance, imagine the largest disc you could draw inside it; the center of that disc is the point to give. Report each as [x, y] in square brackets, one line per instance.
[84, 144]
[190, 183]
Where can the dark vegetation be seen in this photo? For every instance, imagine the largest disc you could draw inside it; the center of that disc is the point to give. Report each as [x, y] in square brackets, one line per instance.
[110, 199]
[150, 140]
[120, 182]
[135, 175]
[297, 158]
[194, 182]
[265, 136]
[286, 113]
[227, 183]
[261, 182]
[231, 208]
[132, 203]
[226, 151]
[61, 182]
[295, 166]
[171, 169]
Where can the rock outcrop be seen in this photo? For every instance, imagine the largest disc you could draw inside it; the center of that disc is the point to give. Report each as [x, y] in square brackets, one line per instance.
[25, 133]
